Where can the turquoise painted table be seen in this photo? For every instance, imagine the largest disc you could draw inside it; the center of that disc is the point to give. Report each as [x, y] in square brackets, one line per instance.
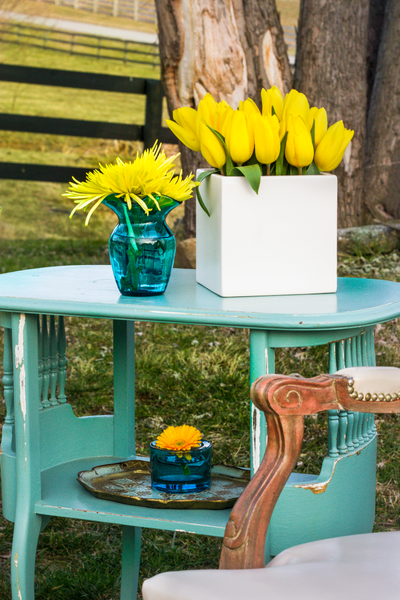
[44, 445]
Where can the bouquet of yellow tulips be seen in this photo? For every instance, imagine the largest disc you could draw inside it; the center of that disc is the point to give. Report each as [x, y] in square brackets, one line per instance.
[286, 137]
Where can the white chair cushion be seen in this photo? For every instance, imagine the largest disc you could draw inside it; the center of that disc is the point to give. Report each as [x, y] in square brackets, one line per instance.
[361, 566]
[374, 380]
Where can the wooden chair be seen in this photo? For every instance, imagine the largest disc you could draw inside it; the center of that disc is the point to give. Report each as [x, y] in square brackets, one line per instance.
[365, 566]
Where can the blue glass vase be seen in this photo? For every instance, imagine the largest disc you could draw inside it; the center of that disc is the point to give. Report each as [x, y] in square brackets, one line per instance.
[142, 247]
[181, 473]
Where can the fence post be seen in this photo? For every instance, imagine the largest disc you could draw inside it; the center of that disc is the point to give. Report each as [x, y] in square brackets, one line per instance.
[136, 10]
[152, 126]
[115, 8]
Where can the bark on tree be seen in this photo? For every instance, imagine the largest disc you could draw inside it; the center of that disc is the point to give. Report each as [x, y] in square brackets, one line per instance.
[331, 69]
[382, 167]
[230, 48]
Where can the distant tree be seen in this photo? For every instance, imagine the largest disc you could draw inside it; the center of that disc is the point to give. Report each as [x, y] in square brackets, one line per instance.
[230, 48]
[347, 60]
[382, 166]
[331, 70]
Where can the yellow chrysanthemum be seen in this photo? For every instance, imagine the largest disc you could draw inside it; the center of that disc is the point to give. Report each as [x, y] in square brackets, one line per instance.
[150, 174]
[179, 439]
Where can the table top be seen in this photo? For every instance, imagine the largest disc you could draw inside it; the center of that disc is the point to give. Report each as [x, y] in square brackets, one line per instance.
[91, 291]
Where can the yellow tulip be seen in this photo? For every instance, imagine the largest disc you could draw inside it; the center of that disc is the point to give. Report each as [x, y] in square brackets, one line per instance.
[211, 148]
[249, 107]
[299, 149]
[321, 122]
[187, 138]
[222, 117]
[205, 111]
[332, 147]
[266, 139]
[296, 105]
[184, 127]
[272, 98]
[240, 137]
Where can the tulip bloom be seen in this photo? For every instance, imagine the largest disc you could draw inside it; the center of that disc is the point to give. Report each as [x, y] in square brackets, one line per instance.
[321, 123]
[206, 111]
[185, 127]
[299, 149]
[296, 105]
[211, 148]
[266, 138]
[332, 147]
[272, 98]
[222, 117]
[240, 137]
[249, 107]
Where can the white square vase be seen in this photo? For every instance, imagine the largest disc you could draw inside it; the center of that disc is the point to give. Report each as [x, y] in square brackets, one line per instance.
[281, 241]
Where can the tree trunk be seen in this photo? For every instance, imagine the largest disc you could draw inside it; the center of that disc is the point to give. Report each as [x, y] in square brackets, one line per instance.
[382, 172]
[229, 48]
[331, 69]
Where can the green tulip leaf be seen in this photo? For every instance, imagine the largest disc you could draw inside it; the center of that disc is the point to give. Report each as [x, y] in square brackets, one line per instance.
[203, 175]
[273, 111]
[229, 164]
[293, 170]
[252, 173]
[313, 169]
[281, 168]
[313, 134]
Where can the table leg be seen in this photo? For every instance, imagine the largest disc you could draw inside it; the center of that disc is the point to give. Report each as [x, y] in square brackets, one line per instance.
[262, 362]
[131, 543]
[27, 523]
[124, 389]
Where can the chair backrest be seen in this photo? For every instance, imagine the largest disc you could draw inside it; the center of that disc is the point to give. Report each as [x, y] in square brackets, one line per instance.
[285, 402]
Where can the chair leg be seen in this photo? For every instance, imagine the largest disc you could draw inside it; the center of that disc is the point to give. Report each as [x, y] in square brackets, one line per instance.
[131, 542]
[26, 534]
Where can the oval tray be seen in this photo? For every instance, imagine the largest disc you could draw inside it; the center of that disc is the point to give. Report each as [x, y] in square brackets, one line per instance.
[129, 482]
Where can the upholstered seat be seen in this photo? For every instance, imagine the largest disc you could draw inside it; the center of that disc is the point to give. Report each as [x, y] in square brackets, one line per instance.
[365, 566]
[361, 566]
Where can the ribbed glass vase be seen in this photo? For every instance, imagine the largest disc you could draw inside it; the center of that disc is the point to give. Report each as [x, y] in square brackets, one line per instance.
[142, 247]
[181, 473]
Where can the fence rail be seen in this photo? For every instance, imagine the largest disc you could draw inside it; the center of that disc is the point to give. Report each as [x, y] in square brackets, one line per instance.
[147, 133]
[81, 44]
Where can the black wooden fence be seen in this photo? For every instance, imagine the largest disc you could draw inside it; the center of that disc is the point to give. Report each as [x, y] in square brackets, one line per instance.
[147, 133]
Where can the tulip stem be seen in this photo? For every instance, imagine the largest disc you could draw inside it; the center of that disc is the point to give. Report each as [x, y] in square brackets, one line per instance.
[300, 170]
[268, 169]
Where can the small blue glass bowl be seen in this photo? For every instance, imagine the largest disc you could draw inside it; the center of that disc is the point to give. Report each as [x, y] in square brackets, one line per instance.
[174, 473]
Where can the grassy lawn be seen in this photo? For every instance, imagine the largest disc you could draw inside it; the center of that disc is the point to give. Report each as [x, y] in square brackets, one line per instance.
[184, 374]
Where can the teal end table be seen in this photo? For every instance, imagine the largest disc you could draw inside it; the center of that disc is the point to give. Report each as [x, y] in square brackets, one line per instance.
[44, 444]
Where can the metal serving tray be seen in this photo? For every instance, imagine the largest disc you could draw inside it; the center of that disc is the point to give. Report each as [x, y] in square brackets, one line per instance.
[129, 482]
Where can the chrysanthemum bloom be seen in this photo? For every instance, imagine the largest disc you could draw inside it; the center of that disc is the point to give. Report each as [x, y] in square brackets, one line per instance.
[146, 180]
[179, 439]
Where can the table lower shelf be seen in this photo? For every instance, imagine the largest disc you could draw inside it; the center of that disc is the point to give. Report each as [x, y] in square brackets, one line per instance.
[63, 496]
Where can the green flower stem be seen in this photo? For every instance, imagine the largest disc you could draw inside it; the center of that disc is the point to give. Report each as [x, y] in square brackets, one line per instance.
[133, 252]
[185, 469]
[129, 227]
[300, 170]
